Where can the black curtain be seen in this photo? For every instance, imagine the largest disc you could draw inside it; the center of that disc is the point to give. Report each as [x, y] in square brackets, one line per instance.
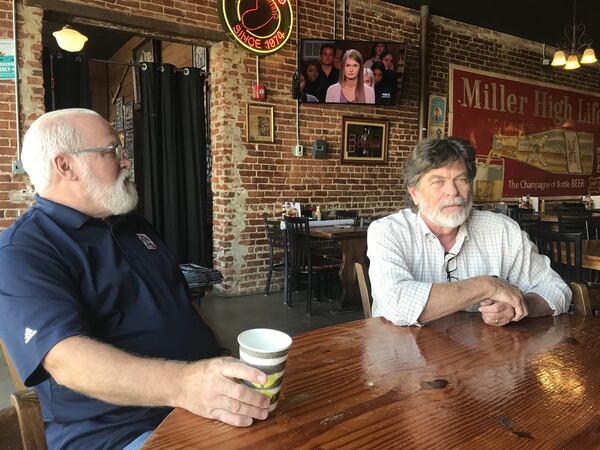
[173, 155]
[66, 80]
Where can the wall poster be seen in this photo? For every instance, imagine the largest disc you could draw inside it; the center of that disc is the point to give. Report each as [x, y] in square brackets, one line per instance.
[531, 138]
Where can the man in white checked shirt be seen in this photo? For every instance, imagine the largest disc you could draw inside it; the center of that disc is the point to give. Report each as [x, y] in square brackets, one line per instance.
[440, 256]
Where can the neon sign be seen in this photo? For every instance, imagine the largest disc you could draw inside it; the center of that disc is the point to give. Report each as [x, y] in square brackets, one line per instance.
[260, 26]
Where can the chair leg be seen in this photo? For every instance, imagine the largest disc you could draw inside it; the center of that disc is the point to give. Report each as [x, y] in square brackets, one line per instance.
[269, 276]
[286, 300]
[309, 295]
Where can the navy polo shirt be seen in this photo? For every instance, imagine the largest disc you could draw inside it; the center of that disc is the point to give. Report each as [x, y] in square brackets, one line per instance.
[63, 274]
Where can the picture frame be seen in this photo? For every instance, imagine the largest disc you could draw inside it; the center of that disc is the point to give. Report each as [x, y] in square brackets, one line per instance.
[436, 117]
[200, 58]
[128, 115]
[259, 123]
[146, 51]
[364, 141]
[119, 114]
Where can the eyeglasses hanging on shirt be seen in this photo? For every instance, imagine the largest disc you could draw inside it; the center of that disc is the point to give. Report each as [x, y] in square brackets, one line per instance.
[451, 266]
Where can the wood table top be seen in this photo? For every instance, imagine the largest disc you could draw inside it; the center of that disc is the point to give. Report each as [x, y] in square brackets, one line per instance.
[339, 232]
[454, 383]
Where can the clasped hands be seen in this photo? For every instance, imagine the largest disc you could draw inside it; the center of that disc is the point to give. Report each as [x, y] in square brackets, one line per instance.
[506, 304]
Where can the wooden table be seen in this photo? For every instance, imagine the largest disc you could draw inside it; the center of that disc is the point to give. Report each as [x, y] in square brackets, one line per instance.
[455, 383]
[590, 254]
[553, 218]
[353, 244]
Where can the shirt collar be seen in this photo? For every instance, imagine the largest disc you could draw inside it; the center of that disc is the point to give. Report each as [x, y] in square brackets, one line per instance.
[63, 215]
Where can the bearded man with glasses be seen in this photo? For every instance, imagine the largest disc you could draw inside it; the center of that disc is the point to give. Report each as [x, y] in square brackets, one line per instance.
[440, 256]
[95, 311]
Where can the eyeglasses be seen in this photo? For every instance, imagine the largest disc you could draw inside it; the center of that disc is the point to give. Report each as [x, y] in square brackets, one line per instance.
[117, 150]
[451, 266]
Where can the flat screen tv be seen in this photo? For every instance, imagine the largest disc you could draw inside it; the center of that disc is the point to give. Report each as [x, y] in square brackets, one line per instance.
[356, 72]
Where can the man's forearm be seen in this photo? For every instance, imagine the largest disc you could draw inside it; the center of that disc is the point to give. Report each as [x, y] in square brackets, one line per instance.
[447, 298]
[101, 371]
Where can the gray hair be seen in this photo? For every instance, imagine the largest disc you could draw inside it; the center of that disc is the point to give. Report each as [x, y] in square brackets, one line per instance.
[49, 135]
[431, 154]
[369, 72]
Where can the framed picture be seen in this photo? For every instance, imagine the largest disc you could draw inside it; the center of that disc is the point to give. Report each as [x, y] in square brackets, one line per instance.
[147, 51]
[437, 117]
[119, 114]
[364, 141]
[199, 58]
[128, 115]
[259, 123]
[129, 143]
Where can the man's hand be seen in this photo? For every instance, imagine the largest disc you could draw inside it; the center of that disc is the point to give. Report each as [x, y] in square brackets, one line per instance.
[496, 313]
[502, 291]
[211, 389]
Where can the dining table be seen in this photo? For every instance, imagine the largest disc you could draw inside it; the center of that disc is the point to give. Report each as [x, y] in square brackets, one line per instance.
[353, 245]
[452, 383]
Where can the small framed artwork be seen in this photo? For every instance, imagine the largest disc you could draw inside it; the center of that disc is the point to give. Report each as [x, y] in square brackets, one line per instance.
[128, 115]
[437, 117]
[147, 51]
[259, 123]
[119, 114]
[129, 143]
[200, 58]
[364, 141]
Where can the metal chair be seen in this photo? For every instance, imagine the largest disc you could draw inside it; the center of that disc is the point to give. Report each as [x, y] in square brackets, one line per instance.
[563, 249]
[526, 217]
[278, 253]
[303, 261]
[574, 221]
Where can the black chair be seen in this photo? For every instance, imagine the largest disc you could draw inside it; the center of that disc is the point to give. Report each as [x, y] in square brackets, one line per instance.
[278, 253]
[563, 249]
[346, 214]
[526, 217]
[574, 221]
[303, 261]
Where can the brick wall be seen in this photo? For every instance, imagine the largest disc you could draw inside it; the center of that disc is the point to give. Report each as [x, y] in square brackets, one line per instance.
[250, 179]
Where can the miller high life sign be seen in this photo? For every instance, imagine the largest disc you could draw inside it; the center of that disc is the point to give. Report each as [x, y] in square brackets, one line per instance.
[260, 26]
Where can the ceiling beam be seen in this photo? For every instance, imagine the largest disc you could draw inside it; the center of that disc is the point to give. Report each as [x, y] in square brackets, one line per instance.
[147, 26]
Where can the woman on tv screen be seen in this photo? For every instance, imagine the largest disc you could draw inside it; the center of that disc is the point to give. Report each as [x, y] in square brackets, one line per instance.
[351, 87]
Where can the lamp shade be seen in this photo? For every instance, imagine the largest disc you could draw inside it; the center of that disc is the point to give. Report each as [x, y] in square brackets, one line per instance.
[589, 57]
[559, 59]
[69, 39]
[572, 63]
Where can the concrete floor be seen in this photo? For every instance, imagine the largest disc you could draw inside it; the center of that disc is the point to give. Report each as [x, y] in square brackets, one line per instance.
[229, 316]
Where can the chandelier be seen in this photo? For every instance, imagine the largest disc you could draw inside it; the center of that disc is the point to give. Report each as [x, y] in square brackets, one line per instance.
[568, 55]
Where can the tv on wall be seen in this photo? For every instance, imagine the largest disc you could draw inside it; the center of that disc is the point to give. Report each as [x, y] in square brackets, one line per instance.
[344, 71]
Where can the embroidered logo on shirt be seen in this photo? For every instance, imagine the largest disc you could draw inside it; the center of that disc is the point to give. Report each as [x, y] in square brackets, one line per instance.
[29, 333]
[146, 241]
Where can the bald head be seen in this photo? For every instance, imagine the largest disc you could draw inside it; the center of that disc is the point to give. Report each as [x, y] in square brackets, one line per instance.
[53, 133]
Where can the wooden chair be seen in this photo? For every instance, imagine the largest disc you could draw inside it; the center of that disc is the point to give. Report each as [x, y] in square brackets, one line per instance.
[278, 253]
[563, 249]
[21, 424]
[586, 299]
[365, 289]
[303, 261]
[14, 375]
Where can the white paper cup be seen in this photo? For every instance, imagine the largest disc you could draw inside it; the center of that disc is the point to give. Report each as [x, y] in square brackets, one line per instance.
[266, 350]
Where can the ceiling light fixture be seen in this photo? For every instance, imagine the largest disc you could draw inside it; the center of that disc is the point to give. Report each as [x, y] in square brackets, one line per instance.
[70, 39]
[574, 43]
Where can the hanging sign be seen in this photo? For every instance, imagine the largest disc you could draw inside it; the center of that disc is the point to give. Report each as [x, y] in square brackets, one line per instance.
[260, 26]
[7, 59]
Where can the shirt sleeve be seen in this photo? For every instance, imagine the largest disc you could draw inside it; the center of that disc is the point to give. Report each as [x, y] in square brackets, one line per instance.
[38, 306]
[531, 272]
[397, 296]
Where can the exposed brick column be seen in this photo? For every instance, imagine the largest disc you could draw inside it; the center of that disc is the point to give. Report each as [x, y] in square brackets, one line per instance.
[228, 98]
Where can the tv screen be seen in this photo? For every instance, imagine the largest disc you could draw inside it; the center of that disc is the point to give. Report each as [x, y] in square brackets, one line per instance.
[343, 71]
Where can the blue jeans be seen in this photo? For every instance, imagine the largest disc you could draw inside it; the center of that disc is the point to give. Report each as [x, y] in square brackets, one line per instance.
[137, 443]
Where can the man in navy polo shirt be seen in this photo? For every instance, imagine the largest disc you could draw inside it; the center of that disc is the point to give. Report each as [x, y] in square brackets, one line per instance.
[94, 309]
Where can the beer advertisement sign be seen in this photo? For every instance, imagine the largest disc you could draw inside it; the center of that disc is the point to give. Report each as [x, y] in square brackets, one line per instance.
[531, 138]
[259, 26]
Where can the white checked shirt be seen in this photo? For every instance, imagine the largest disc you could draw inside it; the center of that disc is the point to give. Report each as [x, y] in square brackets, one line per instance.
[407, 258]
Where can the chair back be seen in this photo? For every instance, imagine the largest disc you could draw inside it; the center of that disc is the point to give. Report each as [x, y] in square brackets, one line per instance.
[574, 220]
[563, 249]
[526, 217]
[14, 375]
[346, 214]
[29, 414]
[274, 234]
[586, 298]
[10, 434]
[298, 235]
[365, 289]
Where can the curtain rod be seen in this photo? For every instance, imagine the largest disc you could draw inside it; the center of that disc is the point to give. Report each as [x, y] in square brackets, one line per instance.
[142, 66]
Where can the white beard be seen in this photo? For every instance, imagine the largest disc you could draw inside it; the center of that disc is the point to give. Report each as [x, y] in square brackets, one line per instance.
[437, 216]
[119, 198]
